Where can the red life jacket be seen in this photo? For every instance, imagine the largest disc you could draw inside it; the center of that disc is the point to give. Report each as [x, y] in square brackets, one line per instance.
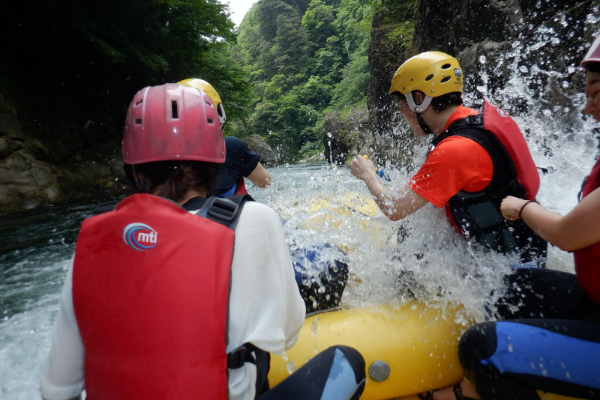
[587, 260]
[477, 214]
[508, 133]
[241, 186]
[150, 292]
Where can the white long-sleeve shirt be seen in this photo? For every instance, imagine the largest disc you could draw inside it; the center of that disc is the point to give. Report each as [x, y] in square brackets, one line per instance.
[265, 309]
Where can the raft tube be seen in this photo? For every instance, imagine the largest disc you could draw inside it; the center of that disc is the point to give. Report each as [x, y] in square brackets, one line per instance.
[408, 349]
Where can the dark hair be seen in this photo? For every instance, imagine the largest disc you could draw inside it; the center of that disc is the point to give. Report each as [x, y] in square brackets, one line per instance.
[592, 67]
[177, 177]
[444, 102]
[440, 103]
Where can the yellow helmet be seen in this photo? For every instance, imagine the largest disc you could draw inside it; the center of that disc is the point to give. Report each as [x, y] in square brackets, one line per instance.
[433, 73]
[210, 91]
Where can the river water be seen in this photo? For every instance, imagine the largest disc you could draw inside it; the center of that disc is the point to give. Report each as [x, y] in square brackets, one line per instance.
[390, 262]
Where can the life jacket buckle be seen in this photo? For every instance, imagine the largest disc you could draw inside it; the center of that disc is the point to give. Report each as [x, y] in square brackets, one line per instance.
[476, 119]
[240, 356]
[223, 209]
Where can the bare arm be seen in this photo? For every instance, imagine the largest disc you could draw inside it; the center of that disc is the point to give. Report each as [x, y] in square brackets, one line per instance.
[260, 176]
[393, 206]
[578, 229]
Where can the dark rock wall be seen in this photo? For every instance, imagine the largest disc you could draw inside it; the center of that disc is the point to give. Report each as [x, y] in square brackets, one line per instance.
[54, 160]
[529, 35]
[539, 41]
[66, 157]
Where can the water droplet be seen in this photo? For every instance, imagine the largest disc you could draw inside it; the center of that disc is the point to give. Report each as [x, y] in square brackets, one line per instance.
[291, 367]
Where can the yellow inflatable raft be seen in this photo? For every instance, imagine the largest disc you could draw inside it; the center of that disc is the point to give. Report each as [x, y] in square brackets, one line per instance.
[407, 350]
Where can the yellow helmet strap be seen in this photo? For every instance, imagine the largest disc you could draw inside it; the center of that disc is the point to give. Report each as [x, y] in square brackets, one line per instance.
[418, 108]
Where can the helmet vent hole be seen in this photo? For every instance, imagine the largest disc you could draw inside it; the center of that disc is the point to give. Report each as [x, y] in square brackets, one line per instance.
[429, 77]
[446, 66]
[137, 103]
[174, 110]
[138, 121]
[209, 120]
[446, 79]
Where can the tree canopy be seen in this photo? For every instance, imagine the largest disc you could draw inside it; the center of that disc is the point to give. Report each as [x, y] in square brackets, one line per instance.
[79, 56]
[288, 63]
[304, 58]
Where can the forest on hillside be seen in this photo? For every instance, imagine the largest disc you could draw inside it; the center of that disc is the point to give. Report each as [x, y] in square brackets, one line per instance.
[70, 67]
[303, 59]
[76, 58]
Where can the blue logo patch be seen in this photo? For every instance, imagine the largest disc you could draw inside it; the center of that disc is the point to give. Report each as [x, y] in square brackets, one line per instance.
[140, 236]
[502, 113]
[457, 72]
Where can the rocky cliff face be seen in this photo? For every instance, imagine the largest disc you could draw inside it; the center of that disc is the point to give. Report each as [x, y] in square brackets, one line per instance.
[391, 40]
[391, 43]
[24, 181]
[47, 163]
[52, 162]
[541, 41]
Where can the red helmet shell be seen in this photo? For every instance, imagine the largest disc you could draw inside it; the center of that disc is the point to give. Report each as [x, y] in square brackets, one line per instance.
[593, 54]
[172, 122]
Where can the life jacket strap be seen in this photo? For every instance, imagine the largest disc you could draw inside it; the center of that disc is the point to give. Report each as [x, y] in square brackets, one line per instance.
[224, 210]
[240, 356]
[467, 199]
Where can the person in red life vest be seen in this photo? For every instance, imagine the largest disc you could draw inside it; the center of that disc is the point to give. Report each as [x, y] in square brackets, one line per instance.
[176, 295]
[240, 161]
[476, 159]
[559, 351]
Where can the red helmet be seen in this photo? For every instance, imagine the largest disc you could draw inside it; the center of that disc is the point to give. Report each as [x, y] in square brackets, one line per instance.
[172, 122]
[593, 54]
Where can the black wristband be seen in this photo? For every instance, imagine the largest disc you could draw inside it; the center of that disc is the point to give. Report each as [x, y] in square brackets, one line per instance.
[523, 207]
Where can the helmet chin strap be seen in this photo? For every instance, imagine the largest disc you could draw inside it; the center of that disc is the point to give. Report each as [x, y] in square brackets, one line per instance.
[418, 109]
[423, 124]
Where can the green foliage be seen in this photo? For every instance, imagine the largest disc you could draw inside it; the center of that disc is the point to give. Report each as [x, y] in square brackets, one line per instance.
[398, 10]
[402, 35]
[352, 89]
[78, 58]
[304, 57]
[310, 149]
[318, 22]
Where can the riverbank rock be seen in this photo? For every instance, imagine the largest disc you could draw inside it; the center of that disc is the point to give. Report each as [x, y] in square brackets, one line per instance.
[55, 162]
[346, 135]
[24, 181]
[257, 144]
